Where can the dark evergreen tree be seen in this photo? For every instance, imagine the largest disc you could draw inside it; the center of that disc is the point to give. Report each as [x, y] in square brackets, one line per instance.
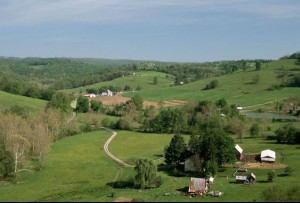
[175, 151]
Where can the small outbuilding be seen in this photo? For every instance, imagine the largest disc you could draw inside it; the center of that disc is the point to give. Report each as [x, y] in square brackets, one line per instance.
[239, 152]
[267, 156]
[198, 186]
[251, 178]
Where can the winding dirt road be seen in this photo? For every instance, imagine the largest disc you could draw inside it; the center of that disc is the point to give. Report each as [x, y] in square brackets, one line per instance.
[119, 161]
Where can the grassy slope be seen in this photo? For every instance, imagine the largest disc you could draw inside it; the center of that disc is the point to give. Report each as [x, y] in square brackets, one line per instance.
[79, 170]
[236, 87]
[137, 143]
[143, 79]
[8, 100]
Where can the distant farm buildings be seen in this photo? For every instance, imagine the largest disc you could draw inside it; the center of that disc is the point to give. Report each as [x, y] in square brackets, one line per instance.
[90, 95]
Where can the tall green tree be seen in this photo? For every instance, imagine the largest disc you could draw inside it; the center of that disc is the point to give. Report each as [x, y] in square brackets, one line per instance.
[175, 151]
[155, 80]
[60, 100]
[96, 105]
[82, 104]
[257, 65]
[146, 176]
[217, 146]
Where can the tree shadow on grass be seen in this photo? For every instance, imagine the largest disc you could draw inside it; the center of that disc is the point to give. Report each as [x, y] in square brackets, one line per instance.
[262, 181]
[176, 171]
[121, 184]
[183, 191]
[282, 175]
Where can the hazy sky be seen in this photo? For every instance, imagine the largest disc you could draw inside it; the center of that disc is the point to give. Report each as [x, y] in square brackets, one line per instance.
[166, 30]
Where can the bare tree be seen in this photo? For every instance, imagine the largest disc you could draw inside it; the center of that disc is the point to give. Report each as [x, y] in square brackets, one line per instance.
[19, 147]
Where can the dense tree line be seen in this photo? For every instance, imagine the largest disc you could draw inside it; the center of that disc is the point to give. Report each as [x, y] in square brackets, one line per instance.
[288, 134]
[295, 55]
[24, 88]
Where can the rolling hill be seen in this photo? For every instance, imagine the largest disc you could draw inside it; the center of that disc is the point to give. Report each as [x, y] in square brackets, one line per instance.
[245, 88]
[8, 100]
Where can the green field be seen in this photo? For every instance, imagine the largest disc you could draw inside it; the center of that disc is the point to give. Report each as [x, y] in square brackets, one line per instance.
[8, 100]
[137, 143]
[236, 88]
[78, 170]
[142, 79]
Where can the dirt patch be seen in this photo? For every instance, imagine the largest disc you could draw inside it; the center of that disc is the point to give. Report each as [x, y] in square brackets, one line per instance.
[112, 100]
[109, 101]
[123, 199]
[264, 165]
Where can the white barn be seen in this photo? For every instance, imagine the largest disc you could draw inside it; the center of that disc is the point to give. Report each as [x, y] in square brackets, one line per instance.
[267, 155]
[90, 95]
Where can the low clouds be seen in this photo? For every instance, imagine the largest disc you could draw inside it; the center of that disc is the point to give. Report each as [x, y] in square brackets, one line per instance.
[32, 12]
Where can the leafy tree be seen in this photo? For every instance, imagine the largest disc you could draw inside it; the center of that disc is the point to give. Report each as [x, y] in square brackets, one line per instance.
[211, 168]
[155, 80]
[257, 65]
[175, 151]
[138, 102]
[217, 146]
[6, 162]
[96, 105]
[288, 134]
[169, 121]
[271, 176]
[146, 176]
[221, 103]
[60, 100]
[254, 130]
[213, 84]
[82, 104]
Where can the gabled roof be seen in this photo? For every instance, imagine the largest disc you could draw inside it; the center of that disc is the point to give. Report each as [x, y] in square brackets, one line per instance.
[197, 184]
[238, 148]
[267, 153]
[241, 177]
[252, 175]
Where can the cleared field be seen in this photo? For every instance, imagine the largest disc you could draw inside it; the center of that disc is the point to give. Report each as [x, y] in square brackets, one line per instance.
[8, 100]
[77, 170]
[236, 88]
[141, 145]
[143, 80]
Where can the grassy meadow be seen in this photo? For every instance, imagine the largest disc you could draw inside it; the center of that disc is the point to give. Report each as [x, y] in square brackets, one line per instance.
[143, 79]
[8, 100]
[77, 169]
[236, 88]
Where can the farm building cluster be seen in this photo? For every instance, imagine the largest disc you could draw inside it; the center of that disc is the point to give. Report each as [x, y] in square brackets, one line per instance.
[267, 156]
[108, 93]
[200, 186]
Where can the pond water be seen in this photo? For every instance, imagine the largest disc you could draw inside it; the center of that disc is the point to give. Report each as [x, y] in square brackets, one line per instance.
[270, 115]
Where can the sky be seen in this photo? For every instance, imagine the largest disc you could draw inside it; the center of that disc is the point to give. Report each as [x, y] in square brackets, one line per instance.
[162, 30]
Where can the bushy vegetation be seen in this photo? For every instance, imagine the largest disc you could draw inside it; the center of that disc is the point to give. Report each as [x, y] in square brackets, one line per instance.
[288, 133]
